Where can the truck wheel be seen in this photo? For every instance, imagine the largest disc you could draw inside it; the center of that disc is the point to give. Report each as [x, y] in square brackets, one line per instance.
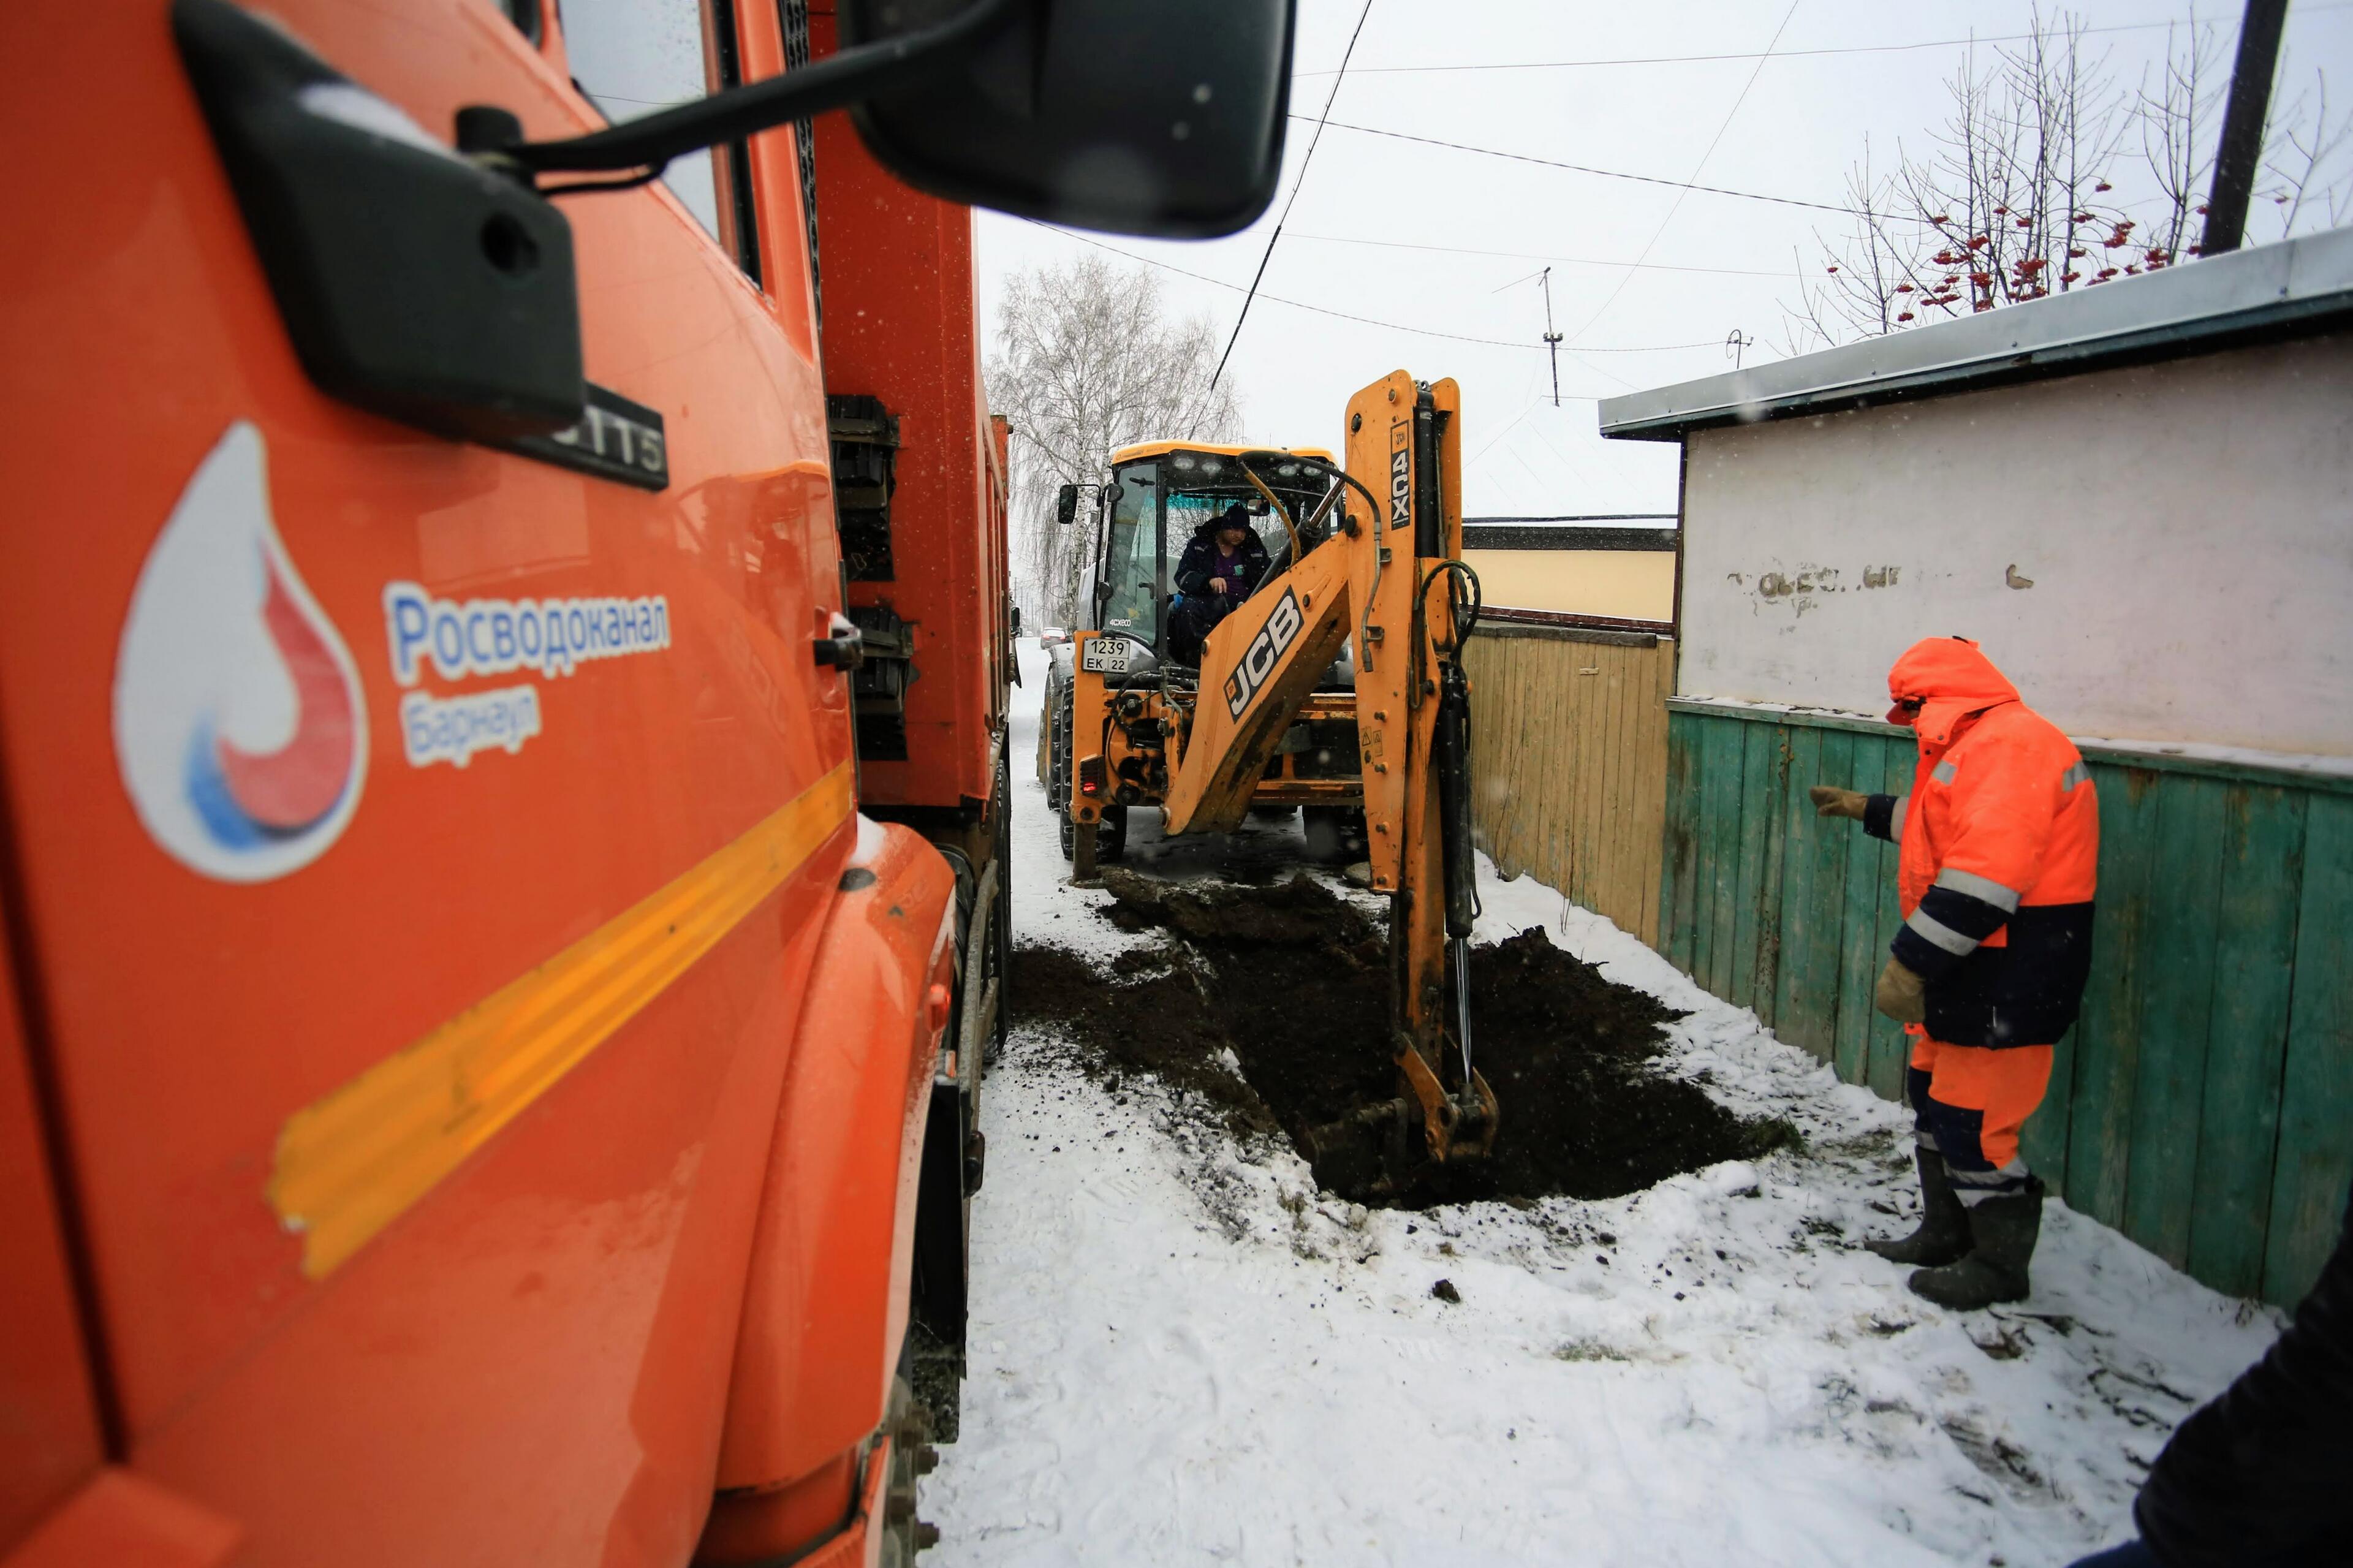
[908, 1422]
[1003, 933]
[1070, 833]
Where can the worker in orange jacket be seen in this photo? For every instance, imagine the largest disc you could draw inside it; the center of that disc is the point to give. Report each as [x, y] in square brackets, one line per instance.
[2000, 838]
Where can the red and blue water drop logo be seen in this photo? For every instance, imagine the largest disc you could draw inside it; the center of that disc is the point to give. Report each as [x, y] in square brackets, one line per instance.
[238, 720]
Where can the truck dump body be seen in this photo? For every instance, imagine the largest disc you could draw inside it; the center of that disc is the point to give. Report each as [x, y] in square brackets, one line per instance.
[902, 348]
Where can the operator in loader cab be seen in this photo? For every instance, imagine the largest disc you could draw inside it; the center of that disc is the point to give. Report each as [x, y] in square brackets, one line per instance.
[2000, 839]
[1222, 563]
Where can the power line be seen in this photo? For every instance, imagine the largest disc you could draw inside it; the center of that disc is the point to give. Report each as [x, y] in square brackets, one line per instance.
[1329, 99]
[1713, 143]
[1646, 348]
[1278, 299]
[1367, 320]
[1539, 255]
[2306, 10]
[1590, 169]
[1514, 424]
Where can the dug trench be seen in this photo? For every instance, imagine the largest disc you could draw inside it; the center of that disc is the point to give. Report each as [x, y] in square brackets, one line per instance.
[1293, 981]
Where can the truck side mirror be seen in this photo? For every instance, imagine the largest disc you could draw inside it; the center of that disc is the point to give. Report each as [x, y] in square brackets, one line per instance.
[435, 285]
[1066, 505]
[1148, 117]
[413, 283]
[1138, 116]
[1017, 620]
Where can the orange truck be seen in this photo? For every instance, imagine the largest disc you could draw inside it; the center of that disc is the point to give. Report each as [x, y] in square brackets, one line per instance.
[503, 661]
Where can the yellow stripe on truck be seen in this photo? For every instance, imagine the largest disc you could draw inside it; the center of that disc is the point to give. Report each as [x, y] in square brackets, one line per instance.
[353, 1161]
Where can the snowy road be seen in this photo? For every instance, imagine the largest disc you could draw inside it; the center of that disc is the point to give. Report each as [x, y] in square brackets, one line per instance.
[1181, 1353]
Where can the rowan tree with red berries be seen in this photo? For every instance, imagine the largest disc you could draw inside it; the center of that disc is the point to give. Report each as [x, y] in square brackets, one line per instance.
[2049, 176]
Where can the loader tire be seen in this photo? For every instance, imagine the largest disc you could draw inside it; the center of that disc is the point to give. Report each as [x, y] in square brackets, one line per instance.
[1070, 835]
[1058, 724]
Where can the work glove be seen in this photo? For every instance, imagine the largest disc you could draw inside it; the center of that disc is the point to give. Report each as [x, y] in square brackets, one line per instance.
[1831, 801]
[1901, 994]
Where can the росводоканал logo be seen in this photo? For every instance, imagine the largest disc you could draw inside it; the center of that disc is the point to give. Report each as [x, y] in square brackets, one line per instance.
[238, 720]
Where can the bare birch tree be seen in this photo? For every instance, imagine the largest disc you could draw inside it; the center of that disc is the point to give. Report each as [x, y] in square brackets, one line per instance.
[2049, 176]
[2311, 189]
[1087, 361]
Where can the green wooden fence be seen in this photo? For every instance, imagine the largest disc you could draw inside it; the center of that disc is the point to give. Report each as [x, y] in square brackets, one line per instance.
[2204, 1104]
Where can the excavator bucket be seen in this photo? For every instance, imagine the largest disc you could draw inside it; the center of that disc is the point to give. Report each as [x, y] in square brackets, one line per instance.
[1383, 1148]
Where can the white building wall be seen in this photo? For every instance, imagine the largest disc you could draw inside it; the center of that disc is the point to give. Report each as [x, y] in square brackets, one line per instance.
[2161, 553]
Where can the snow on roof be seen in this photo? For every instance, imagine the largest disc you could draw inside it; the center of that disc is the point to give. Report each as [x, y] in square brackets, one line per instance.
[2297, 289]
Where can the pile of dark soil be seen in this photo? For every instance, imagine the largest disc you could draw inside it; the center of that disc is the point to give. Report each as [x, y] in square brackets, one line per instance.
[1295, 981]
[1158, 1025]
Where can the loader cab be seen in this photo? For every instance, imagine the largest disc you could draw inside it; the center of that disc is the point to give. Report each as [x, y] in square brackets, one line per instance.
[1158, 496]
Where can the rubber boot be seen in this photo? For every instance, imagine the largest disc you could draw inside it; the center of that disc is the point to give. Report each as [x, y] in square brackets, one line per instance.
[1943, 1233]
[2004, 1230]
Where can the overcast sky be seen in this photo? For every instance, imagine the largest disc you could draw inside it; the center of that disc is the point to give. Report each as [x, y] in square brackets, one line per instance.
[1790, 126]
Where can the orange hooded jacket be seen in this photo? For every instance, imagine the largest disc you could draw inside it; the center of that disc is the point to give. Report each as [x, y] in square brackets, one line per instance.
[2000, 842]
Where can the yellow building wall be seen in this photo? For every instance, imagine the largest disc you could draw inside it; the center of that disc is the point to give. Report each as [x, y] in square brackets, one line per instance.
[1639, 585]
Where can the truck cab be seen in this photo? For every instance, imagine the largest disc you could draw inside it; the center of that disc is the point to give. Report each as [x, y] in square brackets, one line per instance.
[1153, 500]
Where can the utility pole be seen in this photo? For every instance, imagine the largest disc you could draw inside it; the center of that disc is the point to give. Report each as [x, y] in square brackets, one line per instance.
[2241, 148]
[1552, 339]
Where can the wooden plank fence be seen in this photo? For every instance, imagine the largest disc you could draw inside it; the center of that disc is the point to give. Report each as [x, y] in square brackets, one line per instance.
[1569, 757]
[2204, 1105]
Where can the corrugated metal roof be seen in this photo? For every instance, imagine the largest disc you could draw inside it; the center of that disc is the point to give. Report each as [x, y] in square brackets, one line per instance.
[2292, 289]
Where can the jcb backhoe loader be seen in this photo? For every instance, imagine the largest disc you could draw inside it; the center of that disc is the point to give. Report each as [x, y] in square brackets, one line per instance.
[1370, 556]
[1159, 496]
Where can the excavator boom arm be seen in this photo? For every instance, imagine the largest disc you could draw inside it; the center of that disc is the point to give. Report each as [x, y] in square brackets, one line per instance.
[1387, 577]
[1257, 669]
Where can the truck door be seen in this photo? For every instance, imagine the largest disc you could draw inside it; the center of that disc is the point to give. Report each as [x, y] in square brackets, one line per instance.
[420, 846]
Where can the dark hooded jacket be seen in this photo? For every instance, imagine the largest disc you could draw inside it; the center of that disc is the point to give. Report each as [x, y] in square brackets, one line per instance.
[2263, 1477]
[2000, 839]
[1194, 567]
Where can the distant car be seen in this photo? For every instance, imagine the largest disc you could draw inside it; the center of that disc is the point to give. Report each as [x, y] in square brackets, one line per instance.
[1053, 636]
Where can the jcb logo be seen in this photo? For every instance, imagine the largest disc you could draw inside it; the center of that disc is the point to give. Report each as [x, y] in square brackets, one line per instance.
[1259, 660]
[1401, 490]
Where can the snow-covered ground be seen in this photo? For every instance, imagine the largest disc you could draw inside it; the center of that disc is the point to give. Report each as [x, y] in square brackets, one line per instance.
[1181, 1353]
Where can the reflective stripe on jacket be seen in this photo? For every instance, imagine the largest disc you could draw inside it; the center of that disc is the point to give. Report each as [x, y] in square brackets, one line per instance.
[2000, 840]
